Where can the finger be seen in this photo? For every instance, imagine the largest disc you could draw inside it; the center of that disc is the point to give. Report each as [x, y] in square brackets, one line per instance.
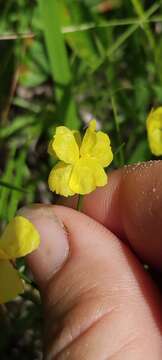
[98, 300]
[131, 207]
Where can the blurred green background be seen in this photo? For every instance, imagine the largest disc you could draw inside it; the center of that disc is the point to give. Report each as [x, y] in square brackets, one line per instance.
[65, 62]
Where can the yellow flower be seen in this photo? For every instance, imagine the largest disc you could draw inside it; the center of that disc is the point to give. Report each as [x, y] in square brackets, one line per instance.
[19, 239]
[154, 131]
[81, 166]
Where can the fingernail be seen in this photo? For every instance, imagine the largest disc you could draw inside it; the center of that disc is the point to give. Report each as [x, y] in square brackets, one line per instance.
[54, 247]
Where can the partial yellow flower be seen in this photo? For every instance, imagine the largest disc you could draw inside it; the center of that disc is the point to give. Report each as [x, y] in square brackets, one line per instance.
[154, 131]
[82, 162]
[19, 239]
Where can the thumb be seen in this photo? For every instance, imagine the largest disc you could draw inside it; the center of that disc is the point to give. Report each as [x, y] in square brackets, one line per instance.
[98, 301]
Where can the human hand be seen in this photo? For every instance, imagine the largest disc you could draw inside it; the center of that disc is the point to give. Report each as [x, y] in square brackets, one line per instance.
[99, 302]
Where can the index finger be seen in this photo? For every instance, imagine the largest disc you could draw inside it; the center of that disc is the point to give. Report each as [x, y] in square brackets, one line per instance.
[131, 207]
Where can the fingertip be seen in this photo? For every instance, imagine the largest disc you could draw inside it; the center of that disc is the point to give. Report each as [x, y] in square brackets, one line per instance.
[54, 247]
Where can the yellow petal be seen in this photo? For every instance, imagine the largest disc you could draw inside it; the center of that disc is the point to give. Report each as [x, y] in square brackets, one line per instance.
[97, 145]
[59, 177]
[10, 283]
[102, 149]
[92, 124]
[3, 255]
[87, 174]
[65, 146]
[51, 150]
[89, 140]
[77, 136]
[154, 131]
[18, 239]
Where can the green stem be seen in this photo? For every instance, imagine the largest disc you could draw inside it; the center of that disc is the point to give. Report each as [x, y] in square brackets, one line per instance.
[24, 277]
[80, 203]
[27, 280]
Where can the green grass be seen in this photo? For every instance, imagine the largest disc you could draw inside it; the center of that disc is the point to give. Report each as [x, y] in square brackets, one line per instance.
[63, 62]
[59, 62]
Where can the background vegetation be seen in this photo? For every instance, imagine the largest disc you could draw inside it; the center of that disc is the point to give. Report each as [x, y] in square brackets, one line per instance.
[64, 62]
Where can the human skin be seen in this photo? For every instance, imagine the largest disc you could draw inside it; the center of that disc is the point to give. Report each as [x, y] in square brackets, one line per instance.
[99, 302]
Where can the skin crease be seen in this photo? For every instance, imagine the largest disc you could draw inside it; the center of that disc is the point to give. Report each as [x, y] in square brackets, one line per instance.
[101, 303]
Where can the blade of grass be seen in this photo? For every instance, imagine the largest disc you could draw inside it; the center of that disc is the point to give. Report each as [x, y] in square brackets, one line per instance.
[12, 187]
[141, 13]
[50, 13]
[112, 23]
[19, 123]
[7, 177]
[83, 44]
[18, 181]
[151, 39]
[27, 105]
[121, 39]
[15, 36]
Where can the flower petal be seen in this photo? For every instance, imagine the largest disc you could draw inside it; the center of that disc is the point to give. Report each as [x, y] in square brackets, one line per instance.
[65, 146]
[89, 139]
[78, 138]
[59, 177]
[87, 174]
[50, 149]
[154, 131]
[97, 145]
[10, 283]
[19, 239]
[102, 149]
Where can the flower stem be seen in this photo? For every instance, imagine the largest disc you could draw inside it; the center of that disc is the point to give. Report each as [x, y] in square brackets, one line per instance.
[80, 203]
[27, 280]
